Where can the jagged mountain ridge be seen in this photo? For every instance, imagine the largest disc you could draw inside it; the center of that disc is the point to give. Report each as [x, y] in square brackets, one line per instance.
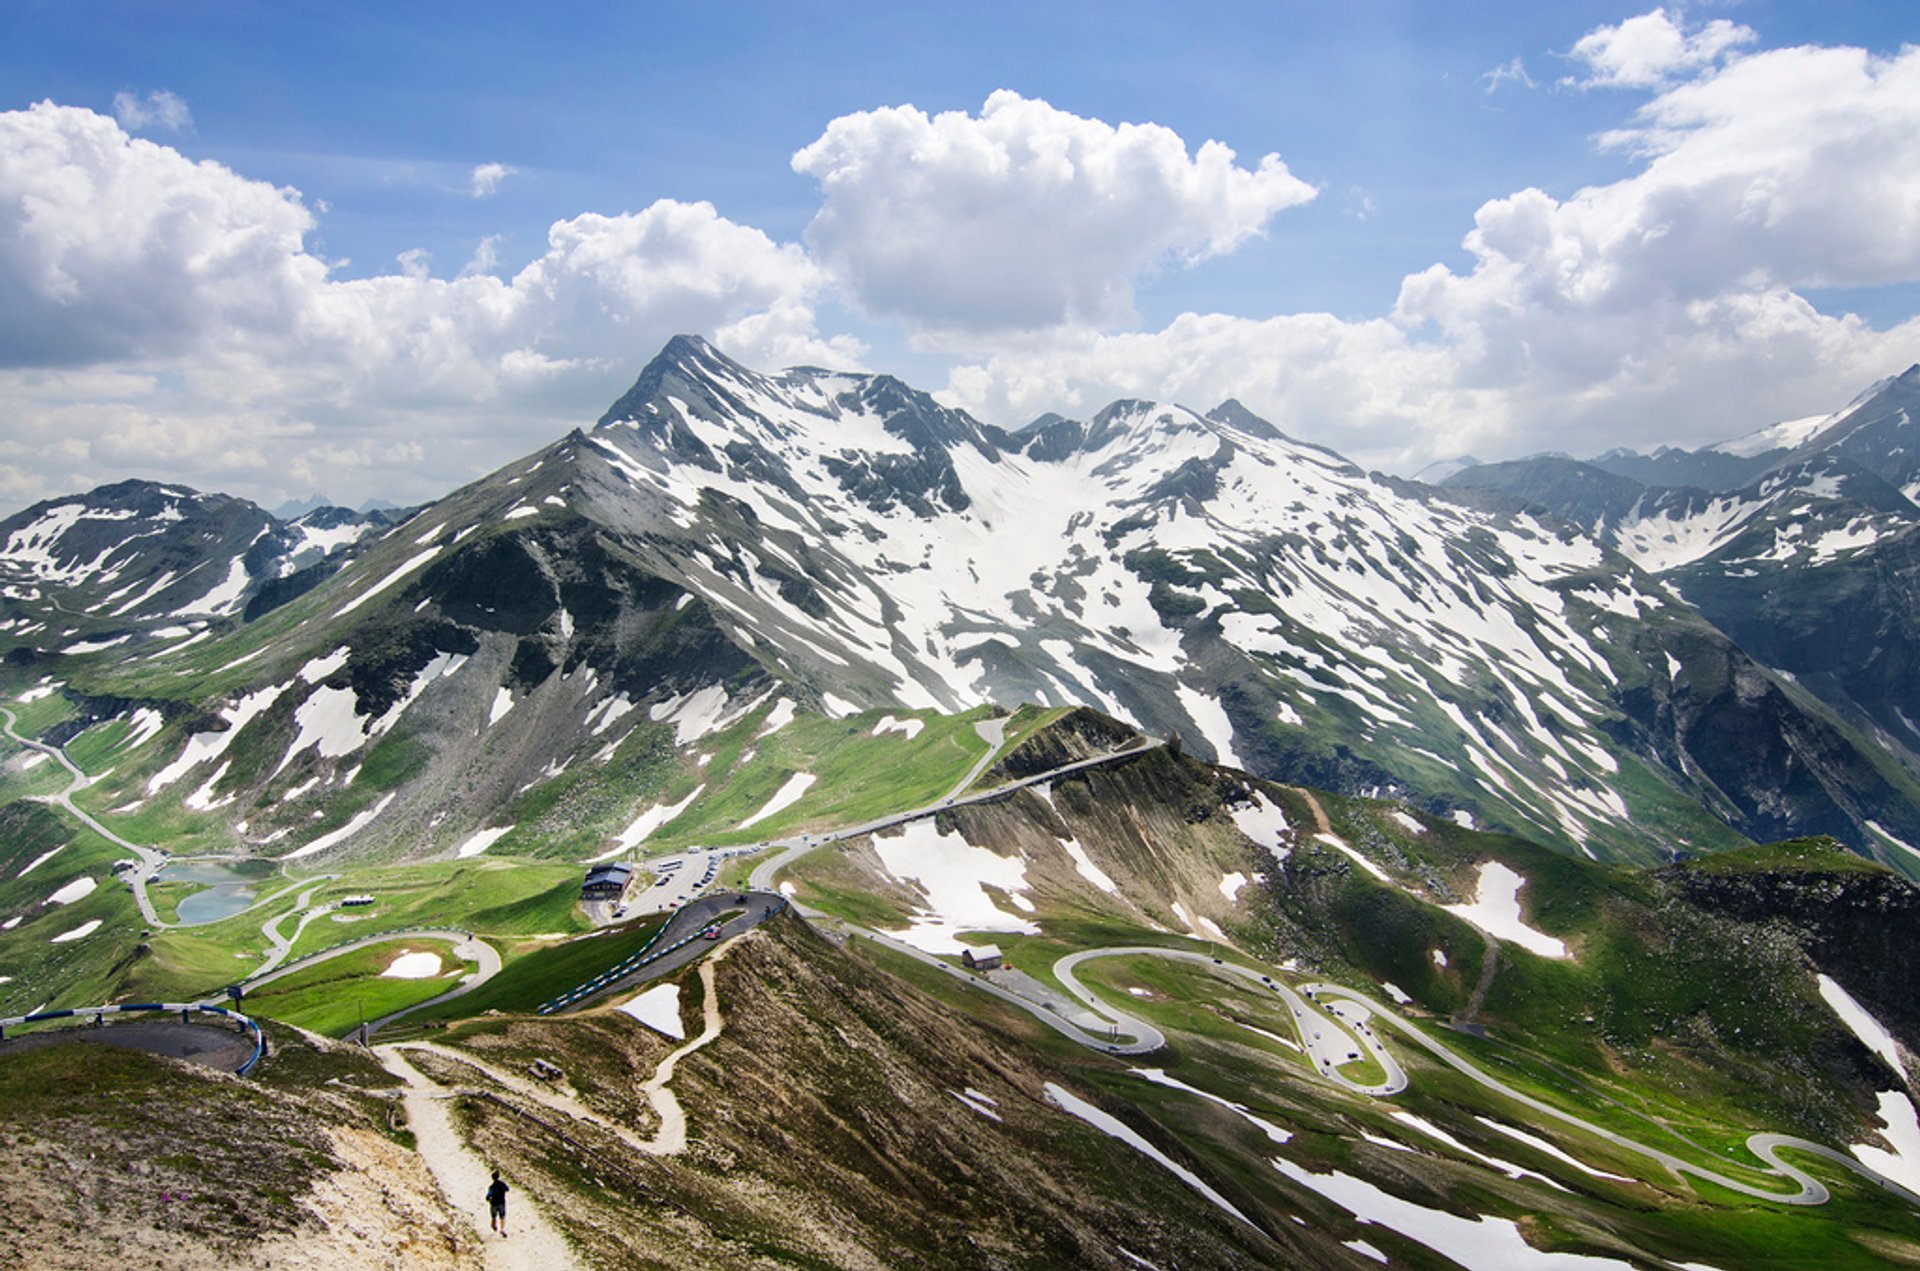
[845, 541]
[1809, 566]
[146, 559]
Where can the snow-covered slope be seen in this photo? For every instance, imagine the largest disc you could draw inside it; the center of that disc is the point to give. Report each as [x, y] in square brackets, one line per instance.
[138, 562]
[843, 540]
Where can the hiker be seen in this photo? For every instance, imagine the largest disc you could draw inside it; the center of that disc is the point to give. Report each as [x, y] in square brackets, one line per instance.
[497, 1204]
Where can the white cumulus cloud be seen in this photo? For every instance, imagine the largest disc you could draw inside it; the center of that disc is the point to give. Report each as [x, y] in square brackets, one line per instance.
[1651, 49]
[120, 253]
[1664, 307]
[1023, 217]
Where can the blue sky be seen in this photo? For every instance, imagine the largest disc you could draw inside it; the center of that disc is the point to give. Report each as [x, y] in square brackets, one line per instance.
[311, 352]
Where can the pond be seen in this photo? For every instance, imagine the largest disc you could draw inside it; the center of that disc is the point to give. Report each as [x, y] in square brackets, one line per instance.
[229, 887]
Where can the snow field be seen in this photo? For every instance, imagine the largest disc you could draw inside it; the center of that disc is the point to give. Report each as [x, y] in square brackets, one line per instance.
[80, 932]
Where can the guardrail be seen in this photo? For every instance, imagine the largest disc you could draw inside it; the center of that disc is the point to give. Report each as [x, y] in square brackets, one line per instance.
[98, 1013]
[632, 962]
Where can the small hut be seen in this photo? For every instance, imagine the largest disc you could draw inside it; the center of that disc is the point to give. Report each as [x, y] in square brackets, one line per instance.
[985, 958]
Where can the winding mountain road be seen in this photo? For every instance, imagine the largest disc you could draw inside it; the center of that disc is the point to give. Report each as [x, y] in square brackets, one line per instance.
[1354, 1022]
[151, 859]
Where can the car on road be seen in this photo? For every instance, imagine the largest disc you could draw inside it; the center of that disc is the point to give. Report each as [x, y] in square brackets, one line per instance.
[711, 933]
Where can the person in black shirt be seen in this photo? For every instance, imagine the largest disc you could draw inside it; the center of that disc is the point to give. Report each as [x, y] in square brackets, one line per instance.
[497, 1203]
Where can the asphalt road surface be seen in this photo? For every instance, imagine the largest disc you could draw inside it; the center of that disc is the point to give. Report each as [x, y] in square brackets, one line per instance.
[209, 1044]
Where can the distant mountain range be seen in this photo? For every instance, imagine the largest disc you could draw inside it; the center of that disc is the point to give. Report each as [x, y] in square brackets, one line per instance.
[1547, 647]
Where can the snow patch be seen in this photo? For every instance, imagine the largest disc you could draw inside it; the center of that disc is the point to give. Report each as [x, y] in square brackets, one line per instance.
[78, 889]
[413, 966]
[1074, 1106]
[320, 668]
[785, 797]
[80, 932]
[202, 747]
[334, 838]
[1872, 1034]
[142, 725]
[647, 822]
[779, 717]
[1263, 823]
[39, 860]
[1210, 718]
[481, 841]
[406, 567]
[659, 1009]
[1496, 911]
[983, 1104]
[1159, 1077]
[693, 715]
[954, 875]
[1485, 1241]
[908, 728]
[1900, 1126]
[1539, 1144]
[1087, 869]
[1339, 844]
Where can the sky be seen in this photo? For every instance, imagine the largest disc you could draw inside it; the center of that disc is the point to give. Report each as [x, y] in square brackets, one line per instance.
[376, 251]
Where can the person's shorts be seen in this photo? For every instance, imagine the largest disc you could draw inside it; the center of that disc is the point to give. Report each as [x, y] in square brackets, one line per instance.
[498, 1208]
